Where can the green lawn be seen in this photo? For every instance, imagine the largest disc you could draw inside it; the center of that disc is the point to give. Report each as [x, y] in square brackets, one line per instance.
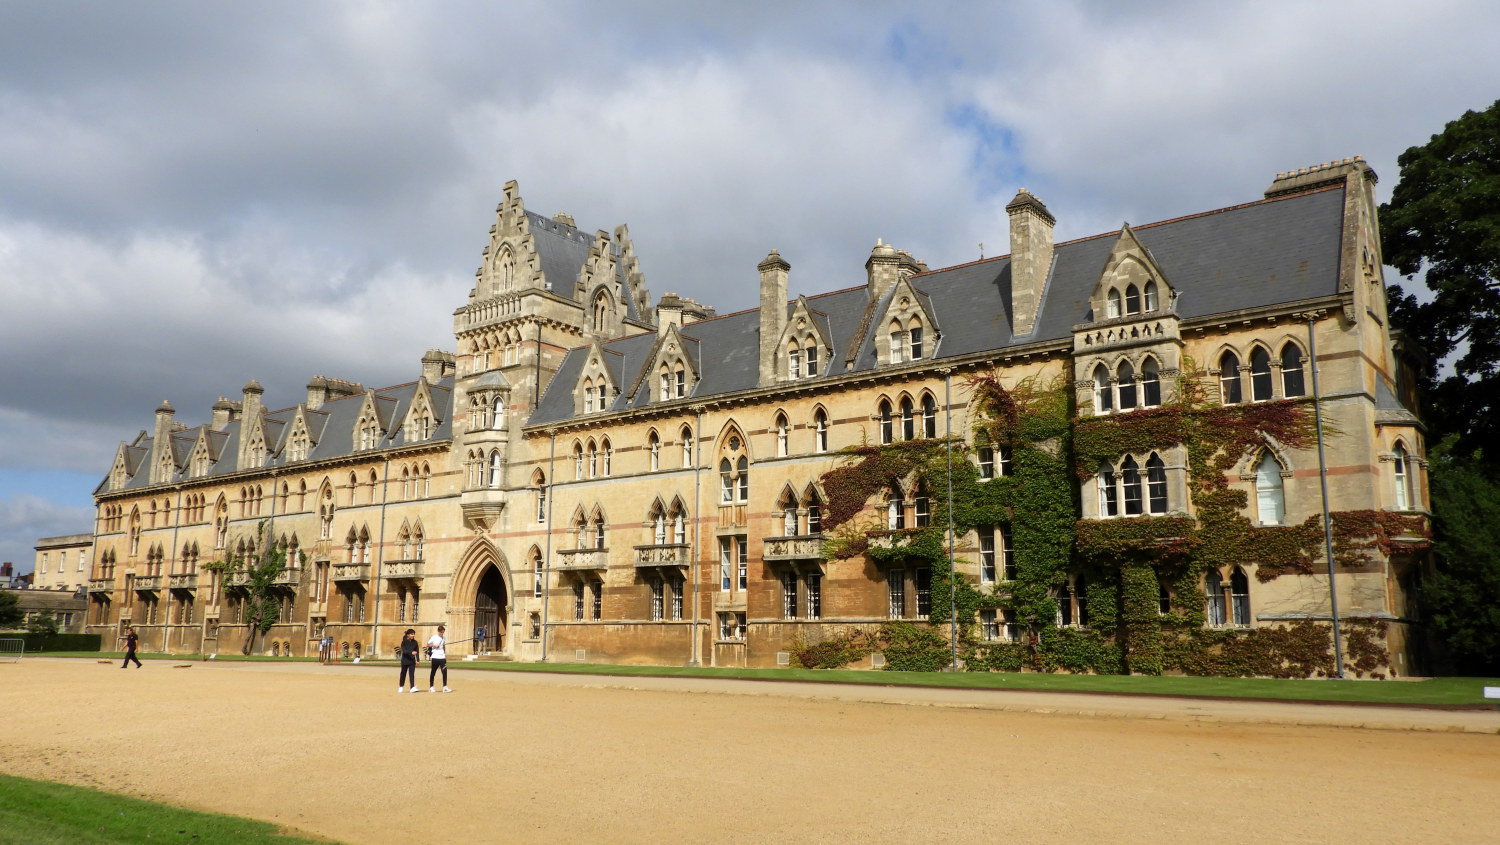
[41, 813]
[1432, 692]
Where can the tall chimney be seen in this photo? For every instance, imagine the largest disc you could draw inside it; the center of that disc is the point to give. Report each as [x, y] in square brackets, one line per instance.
[161, 443]
[773, 276]
[436, 365]
[668, 313]
[1030, 259]
[223, 412]
[251, 413]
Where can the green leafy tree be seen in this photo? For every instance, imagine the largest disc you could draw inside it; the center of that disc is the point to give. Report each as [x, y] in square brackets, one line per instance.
[257, 587]
[10, 610]
[1443, 221]
[1462, 600]
[43, 623]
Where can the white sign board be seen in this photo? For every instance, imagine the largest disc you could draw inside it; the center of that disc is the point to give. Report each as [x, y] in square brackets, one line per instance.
[1492, 692]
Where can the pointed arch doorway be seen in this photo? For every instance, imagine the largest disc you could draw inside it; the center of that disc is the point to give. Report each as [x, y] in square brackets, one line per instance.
[490, 602]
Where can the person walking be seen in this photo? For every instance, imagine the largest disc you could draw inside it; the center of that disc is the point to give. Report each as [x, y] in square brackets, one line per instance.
[131, 640]
[437, 646]
[409, 651]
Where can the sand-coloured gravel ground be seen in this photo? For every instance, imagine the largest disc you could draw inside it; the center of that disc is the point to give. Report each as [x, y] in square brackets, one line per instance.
[511, 758]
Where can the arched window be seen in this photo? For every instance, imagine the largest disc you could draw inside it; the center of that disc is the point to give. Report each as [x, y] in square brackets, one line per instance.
[592, 462]
[658, 524]
[1103, 398]
[1229, 379]
[820, 431]
[783, 433]
[929, 416]
[1125, 375]
[1064, 605]
[1270, 501]
[1260, 374]
[985, 453]
[679, 376]
[726, 481]
[1213, 594]
[588, 397]
[787, 505]
[1402, 479]
[539, 484]
[743, 466]
[1109, 503]
[1150, 298]
[578, 461]
[895, 510]
[538, 576]
[908, 419]
[606, 457]
[1239, 594]
[1156, 484]
[599, 531]
[921, 507]
[653, 449]
[1112, 303]
[1130, 480]
[886, 433]
[1291, 371]
[898, 343]
[601, 312]
[687, 446]
[496, 475]
[1132, 300]
[664, 379]
[915, 345]
[497, 420]
[794, 361]
[812, 359]
[1150, 383]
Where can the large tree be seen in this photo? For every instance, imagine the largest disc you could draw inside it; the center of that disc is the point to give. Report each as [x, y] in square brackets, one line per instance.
[255, 585]
[1443, 223]
[11, 614]
[1462, 599]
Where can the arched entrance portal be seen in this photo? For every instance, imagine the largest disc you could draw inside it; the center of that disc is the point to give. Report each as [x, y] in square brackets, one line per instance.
[489, 612]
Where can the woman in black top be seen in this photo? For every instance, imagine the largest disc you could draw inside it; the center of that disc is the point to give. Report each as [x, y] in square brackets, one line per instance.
[409, 650]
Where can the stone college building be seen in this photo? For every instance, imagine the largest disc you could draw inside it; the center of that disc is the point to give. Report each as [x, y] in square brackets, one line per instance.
[1127, 423]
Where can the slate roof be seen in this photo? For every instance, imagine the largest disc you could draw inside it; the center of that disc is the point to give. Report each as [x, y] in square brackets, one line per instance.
[1273, 251]
[331, 428]
[563, 250]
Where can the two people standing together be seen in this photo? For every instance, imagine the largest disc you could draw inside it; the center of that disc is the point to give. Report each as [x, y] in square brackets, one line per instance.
[437, 647]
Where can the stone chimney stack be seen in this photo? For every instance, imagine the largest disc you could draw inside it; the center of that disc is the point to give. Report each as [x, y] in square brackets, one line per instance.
[773, 277]
[251, 411]
[881, 269]
[317, 392]
[437, 365]
[1030, 259]
[161, 441]
[223, 414]
[668, 313]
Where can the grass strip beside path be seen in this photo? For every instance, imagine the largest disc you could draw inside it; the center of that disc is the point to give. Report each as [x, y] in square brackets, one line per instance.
[41, 813]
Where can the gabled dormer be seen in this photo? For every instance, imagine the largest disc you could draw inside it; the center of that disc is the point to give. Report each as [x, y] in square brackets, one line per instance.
[119, 471]
[253, 450]
[421, 420]
[598, 381]
[907, 329]
[1126, 355]
[1131, 284]
[673, 369]
[201, 458]
[370, 425]
[299, 437]
[805, 347]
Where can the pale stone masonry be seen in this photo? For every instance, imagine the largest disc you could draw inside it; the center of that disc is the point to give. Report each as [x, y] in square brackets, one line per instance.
[588, 477]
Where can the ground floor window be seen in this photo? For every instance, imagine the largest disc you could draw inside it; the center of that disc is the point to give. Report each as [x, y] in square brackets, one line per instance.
[731, 626]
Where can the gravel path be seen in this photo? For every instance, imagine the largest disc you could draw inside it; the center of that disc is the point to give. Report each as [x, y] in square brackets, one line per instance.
[511, 757]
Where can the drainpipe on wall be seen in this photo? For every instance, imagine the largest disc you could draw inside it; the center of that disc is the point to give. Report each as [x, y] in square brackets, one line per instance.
[1333, 596]
[952, 569]
[380, 561]
[693, 658]
[551, 490]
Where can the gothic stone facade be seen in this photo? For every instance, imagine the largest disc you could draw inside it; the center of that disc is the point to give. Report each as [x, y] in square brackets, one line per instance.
[589, 477]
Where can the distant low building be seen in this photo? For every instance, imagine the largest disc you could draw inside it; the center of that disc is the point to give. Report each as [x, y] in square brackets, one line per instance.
[68, 606]
[63, 563]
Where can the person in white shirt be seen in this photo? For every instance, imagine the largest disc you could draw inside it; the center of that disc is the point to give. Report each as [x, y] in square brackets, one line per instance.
[437, 647]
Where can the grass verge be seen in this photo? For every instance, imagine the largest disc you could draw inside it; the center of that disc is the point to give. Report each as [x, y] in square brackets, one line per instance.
[41, 813]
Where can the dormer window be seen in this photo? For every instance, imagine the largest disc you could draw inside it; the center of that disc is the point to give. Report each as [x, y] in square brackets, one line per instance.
[898, 345]
[1112, 303]
[1132, 299]
[1149, 303]
[812, 361]
[794, 363]
[914, 342]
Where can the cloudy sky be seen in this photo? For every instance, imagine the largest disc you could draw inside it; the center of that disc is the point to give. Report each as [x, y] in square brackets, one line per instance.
[196, 194]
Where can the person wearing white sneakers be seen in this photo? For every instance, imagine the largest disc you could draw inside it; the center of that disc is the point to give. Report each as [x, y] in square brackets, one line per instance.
[409, 649]
[437, 648]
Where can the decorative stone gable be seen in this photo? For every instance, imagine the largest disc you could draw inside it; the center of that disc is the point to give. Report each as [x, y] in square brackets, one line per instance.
[805, 350]
[598, 289]
[906, 330]
[596, 388]
[673, 372]
[510, 262]
[1135, 331]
